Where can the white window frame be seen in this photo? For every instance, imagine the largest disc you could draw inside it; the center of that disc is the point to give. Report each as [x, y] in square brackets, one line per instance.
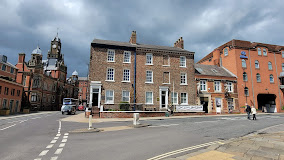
[264, 52]
[271, 80]
[226, 52]
[126, 77]
[183, 78]
[174, 96]
[125, 96]
[150, 97]
[244, 63]
[217, 86]
[110, 58]
[203, 85]
[256, 64]
[259, 51]
[112, 97]
[246, 77]
[109, 76]
[270, 66]
[149, 59]
[230, 86]
[182, 100]
[182, 61]
[126, 57]
[149, 75]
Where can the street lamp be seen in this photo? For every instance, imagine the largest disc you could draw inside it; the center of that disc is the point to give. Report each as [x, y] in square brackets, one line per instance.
[244, 57]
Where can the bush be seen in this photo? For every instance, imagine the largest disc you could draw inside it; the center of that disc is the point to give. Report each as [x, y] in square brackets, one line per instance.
[124, 106]
[282, 107]
[243, 106]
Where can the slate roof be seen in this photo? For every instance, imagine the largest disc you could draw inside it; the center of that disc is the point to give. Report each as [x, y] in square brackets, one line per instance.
[212, 70]
[82, 78]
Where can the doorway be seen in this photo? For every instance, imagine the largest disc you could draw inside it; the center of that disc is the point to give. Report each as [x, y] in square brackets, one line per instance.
[204, 103]
[95, 99]
[164, 97]
[266, 102]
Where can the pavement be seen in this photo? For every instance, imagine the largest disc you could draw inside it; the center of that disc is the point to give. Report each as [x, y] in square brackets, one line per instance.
[25, 115]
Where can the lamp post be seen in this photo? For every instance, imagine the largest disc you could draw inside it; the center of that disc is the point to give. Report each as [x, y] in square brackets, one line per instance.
[244, 57]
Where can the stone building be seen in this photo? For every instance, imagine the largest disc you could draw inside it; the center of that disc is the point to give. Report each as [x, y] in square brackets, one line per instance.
[260, 76]
[10, 90]
[149, 76]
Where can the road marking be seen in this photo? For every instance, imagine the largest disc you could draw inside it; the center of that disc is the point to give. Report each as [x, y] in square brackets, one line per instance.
[23, 121]
[43, 153]
[53, 141]
[50, 146]
[62, 145]
[53, 158]
[64, 140]
[65, 136]
[7, 127]
[59, 124]
[56, 138]
[58, 135]
[164, 125]
[206, 121]
[183, 150]
[38, 159]
[58, 151]
[35, 117]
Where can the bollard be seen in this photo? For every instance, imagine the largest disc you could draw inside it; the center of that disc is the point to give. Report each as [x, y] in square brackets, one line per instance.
[136, 119]
[90, 122]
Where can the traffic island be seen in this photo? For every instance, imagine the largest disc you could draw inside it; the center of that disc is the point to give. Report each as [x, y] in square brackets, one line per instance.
[85, 130]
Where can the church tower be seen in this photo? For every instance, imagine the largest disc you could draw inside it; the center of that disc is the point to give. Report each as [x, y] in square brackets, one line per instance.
[55, 49]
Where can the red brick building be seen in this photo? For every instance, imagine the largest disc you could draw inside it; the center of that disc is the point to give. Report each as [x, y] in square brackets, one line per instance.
[83, 90]
[216, 89]
[260, 77]
[10, 90]
[153, 76]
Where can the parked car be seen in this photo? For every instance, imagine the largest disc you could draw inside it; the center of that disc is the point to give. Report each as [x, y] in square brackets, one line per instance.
[81, 108]
[69, 109]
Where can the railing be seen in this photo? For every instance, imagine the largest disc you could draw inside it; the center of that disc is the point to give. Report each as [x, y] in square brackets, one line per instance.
[133, 107]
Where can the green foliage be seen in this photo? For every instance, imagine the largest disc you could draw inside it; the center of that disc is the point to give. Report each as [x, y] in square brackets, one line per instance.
[124, 106]
[243, 106]
[282, 107]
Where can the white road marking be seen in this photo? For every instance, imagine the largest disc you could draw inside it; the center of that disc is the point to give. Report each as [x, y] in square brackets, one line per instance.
[35, 117]
[64, 140]
[7, 127]
[58, 151]
[65, 136]
[62, 145]
[23, 121]
[16, 121]
[50, 146]
[56, 138]
[206, 121]
[38, 159]
[58, 135]
[43, 153]
[59, 124]
[164, 125]
[183, 150]
[53, 158]
[53, 141]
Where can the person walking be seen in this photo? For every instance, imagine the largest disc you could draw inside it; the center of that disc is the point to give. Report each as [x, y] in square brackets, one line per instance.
[253, 111]
[248, 110]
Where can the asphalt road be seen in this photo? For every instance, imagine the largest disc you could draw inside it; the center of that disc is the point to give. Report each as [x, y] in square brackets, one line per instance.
[45, 137]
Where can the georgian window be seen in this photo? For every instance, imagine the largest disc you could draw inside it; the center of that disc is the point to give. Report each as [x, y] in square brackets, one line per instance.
[245, 76]
[183, 98]
[259, 51]
[166, 60]
[182, 62]
[149, 76]
[149, 58]
[269, 66]
[110, 74]
[230, 86]
[110, 55]
[126, 75]
[225, 52]
[166, 77]
[246, 90]
[109, 97]
[183, 78]
[203, 85]
[258, 79]
[244, 64]
[264, 52]
[256, 64]
[126, 57]
[125, 96]
[271, 79]
[174, 98]
[149, 98]
[217, 86]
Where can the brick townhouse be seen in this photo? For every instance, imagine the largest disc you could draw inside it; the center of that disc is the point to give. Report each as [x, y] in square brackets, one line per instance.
[83, 90]
[216, 89]
[10, 90]
[153, 77]
[259, 77]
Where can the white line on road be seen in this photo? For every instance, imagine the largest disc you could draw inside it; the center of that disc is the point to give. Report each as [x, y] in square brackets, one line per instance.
[64, 140]
[206, 121]
[7, 127]
[38, 159]
[23, 121]
[58, 135]
[53, 158]
[62, 145]
[53, 141]
[59, 124]
[35, 117]
[43, 153]
[58, 151]
[56, 138]
[50, 146]
[65, 136]
[164, 125]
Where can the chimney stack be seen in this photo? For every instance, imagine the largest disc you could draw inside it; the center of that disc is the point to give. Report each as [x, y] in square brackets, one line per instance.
[21, 57]
[133, 38]
[179, 43]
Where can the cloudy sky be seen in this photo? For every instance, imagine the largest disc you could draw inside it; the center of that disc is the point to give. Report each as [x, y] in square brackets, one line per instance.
[204, 25]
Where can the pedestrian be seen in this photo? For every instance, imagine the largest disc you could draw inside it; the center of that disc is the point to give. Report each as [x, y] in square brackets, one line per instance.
[248, 110]
[253, 111]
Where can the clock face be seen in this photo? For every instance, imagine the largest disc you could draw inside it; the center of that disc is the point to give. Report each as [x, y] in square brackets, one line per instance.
[54, 46]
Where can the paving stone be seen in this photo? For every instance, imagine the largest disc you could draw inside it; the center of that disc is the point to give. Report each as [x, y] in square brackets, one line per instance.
[281, 157]
[264, 144]
[272, 150]
[260, 158]
[240, 158]
[249, 146]
[262, 154]
[237, 149]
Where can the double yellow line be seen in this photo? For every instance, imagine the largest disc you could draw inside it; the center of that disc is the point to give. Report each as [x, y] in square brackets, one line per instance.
[185, 150]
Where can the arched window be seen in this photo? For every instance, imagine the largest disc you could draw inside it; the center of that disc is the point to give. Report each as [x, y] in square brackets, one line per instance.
[246, 91]
[258, 79]
[271, 79]
[245, 76]
[264, 52]
[283, 67]
[225, 51]
[244, 64]
[259, 51]
[269, 66]
[256, 64]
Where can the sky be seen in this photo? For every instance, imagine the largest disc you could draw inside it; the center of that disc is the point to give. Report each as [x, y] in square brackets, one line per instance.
[203, 24]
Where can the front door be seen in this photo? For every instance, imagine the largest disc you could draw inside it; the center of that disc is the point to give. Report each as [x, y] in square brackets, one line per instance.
[218, 105]
[95, 99]
[164, 97]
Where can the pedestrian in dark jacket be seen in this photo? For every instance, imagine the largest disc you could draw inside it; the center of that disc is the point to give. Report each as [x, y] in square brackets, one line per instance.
[248, 110]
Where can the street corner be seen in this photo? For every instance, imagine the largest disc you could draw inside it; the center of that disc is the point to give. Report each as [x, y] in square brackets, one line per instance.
[140, 125]
[212, 155]
[86, 130]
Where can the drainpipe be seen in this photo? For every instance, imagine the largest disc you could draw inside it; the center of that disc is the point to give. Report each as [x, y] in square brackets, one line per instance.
[251, 79]
[134, 86]
[277, 80]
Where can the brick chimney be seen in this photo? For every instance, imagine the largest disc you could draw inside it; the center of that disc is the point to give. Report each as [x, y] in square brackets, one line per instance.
[21, 57]
[133, 38]
[179, 43]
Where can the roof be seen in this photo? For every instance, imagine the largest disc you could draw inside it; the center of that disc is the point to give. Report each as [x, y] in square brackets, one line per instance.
[37, 50]
[75, 73]
[138, 45]
[82, 78]
[212, 70]
[6, 62]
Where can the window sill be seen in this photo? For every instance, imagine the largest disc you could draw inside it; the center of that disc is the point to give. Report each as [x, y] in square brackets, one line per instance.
[271, 82]
[184, 84]
[166, 83]
[109, 103]
[149, 82]
[184, 104]
[166, 65]
[149, 103]
[109, 80]
[125, 81]
[127, 62]
[149, 64]
[111, 61]
[182, 66]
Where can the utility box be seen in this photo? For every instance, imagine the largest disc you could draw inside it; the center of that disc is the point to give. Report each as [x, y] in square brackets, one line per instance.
[136, 119]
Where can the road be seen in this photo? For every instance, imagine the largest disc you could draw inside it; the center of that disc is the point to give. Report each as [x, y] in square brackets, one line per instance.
[45, 137]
